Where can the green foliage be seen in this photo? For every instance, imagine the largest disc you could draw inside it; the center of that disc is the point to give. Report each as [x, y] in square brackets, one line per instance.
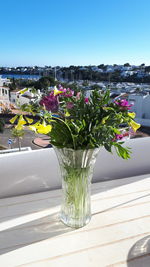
[90, 125]
[45, 82]
[60, 134]
[17, 133]
[81, 123]
[2, 124]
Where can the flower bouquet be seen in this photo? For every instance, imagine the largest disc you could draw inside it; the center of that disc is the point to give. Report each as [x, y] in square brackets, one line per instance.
[78, 126]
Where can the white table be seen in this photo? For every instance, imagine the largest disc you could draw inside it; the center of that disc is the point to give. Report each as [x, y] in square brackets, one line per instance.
[118, 234]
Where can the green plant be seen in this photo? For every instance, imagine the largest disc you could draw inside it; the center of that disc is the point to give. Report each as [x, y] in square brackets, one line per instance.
[81, 122]
[18, 134]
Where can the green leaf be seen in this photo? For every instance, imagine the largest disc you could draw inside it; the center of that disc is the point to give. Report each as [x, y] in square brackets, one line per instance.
[122, 152]
[108, 147]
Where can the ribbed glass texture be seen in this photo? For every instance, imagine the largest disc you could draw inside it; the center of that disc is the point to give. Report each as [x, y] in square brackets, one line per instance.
[76, 171]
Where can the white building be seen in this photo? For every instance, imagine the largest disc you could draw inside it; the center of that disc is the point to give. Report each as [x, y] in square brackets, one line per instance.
[17, 98]
[4, 98]
[141, 106]
[4, 81]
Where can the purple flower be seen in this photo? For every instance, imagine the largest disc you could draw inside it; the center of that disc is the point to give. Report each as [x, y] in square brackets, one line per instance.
[50, 102]
[123, 103]
[86, 100]
[70, 105]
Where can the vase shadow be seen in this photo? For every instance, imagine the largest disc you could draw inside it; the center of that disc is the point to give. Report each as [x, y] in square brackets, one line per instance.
[139, 254]
[31, 232]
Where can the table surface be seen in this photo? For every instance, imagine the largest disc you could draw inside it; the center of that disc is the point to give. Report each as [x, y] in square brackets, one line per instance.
[118, 235]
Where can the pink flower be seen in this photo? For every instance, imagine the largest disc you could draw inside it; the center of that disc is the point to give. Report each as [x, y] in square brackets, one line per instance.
[78, 95]
[119, 136]
[70, 105]
[66, 92]
[86, 100]
[123, 103]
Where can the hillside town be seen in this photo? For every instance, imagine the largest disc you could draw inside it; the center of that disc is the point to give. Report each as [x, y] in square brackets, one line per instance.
[115, 73]
[136, 93]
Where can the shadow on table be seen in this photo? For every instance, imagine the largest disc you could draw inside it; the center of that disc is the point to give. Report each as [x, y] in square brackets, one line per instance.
[31, 232]
[139, 254]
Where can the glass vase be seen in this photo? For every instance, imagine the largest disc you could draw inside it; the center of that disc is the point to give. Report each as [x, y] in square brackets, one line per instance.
[76, 168]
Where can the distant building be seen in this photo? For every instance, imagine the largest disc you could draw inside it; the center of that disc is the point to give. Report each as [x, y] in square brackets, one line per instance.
[127, 73]
[110, 69]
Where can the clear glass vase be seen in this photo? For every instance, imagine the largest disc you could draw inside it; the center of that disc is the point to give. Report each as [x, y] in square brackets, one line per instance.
[76, 171]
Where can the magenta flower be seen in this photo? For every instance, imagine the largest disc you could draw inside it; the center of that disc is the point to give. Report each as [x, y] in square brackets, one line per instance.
[66, 92]
[123, 103]
[50, 102]
[119, 136]
[69, 92]
[86, 100]
[124, 135]
[70, 105]
[60, 87]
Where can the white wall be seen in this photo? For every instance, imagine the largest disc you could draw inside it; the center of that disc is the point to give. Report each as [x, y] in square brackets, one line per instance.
[141, 107]
[143, 122]
[38, 170]
[137, 106]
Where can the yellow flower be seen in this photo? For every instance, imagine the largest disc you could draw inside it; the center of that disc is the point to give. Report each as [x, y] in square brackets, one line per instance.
[23, 91]
[67, 114]
[41, 128]
[104, 119]
[13, 119]
[131, 114]
[29, 120]
[22, 122]
[134, 125]
[57, 92]
[44, 129]
[19, 127]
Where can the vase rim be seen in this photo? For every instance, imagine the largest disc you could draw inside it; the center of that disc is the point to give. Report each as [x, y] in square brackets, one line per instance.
[81, 149]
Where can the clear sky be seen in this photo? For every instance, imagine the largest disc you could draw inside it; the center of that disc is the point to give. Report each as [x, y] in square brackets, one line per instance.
[74, 32]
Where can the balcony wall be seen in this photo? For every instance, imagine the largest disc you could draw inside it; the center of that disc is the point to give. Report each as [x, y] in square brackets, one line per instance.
[38, 170]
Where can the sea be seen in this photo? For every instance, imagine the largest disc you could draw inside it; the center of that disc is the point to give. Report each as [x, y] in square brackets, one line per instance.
[21, 76]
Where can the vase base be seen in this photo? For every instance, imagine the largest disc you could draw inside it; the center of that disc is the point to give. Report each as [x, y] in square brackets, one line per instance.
[74, 223]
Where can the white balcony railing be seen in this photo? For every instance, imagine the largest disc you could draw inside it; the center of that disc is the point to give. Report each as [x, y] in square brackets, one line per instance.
[38, 170]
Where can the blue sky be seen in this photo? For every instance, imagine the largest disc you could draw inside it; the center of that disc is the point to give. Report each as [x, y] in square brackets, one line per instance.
[74, 32]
